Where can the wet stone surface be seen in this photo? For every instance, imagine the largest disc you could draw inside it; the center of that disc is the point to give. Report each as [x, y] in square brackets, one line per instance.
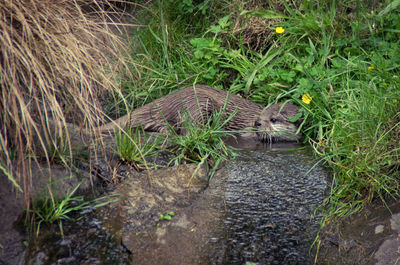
[187, 238]
[85, 241]
[258, 209]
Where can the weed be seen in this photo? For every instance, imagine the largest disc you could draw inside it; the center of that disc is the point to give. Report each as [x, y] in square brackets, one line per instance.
[51, 209]
[351, 102]
[135, 147]
[202, 143]
[162, 50]
[168, 216]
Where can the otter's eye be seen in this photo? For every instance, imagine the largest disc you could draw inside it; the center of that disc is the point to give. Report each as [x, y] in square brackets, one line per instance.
[257, 124]
[273, 120]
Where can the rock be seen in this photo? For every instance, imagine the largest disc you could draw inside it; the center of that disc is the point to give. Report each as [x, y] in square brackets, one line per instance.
[395, 222]
[150, 238]
[388, 252]
[379, 229]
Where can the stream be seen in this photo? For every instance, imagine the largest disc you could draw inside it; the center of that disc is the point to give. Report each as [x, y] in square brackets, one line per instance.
[258, 209]
[271, 196]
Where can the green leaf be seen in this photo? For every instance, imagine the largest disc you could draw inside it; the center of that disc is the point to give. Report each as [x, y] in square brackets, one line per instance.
[224, 22]
[267, 58]
[390, 7]
[296, 117]
[216, 29]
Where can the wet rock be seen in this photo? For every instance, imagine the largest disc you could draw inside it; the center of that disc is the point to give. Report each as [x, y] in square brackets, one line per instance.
[80, 245]
[12, 205]
[388, 252]
[40, 258]
[357, 241]
[256, 210]
[184, 238]
[395, 222]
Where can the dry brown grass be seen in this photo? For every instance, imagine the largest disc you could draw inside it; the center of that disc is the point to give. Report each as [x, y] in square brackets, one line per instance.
[58, 59]
[256, 32]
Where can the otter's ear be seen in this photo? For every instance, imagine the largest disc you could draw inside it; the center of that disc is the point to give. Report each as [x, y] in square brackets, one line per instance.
[257, 124]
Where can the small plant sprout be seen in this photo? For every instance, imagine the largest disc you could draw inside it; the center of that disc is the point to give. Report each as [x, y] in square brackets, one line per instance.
[166, 216]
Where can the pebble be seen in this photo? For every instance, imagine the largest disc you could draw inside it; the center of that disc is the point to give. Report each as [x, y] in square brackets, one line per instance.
[379, 229]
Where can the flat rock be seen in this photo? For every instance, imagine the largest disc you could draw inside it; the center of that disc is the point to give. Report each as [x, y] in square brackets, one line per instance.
[180, 189]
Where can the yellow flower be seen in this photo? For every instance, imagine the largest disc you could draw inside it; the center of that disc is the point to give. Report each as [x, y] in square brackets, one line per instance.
[306, 98]
[371, 67]
[279, 30]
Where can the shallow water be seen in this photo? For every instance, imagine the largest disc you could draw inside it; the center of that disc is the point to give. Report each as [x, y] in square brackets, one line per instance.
[271, 194]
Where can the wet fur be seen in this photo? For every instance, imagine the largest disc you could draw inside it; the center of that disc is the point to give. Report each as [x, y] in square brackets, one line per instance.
[200, 102]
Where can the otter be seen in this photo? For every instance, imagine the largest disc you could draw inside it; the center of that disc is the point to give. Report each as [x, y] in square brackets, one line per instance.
[270, 124]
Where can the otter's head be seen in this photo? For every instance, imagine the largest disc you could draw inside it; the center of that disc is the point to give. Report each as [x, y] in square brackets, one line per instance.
[273, 125]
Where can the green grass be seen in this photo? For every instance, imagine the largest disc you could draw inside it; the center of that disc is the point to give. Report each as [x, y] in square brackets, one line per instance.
[134, 147]
[344, 54]
[203, 143]
[50, 209]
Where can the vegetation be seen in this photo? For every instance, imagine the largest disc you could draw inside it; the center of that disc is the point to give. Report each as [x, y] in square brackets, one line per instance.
[202, 144]
[58, 61]
[168, 216]
[339, 60]
[134, 147]
[51, 209]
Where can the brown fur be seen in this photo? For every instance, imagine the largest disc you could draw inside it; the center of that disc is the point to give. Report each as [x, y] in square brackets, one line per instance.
[268, 124]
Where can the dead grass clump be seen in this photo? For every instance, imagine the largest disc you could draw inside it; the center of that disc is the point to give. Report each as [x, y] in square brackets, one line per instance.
[56, 60]
[256, 32]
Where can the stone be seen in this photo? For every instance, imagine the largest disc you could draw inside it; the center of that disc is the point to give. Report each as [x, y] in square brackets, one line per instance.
[379, 229]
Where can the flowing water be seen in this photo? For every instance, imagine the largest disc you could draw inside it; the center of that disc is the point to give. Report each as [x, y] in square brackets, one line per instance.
[271, 196]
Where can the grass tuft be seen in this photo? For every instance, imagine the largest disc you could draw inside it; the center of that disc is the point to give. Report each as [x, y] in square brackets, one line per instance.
[134, 147]
[51, 209]
[59, 60]
[202, 144]
[189, 141]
